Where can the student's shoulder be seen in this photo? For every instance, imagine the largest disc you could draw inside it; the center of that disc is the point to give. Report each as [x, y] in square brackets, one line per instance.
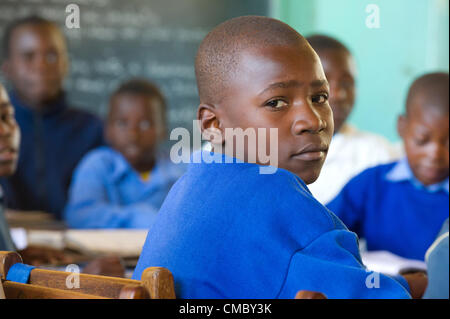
[372, 174]
[102, 158]
[277, 186]
[248, 175]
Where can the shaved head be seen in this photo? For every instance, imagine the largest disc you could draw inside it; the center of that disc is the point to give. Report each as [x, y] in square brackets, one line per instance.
[219, 53]
[429, 91]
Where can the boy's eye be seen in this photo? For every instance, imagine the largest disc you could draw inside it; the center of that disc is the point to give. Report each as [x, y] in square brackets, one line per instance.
[320, 98]
[8, 117]
[420, 140]
[28, 56]
[276, 104]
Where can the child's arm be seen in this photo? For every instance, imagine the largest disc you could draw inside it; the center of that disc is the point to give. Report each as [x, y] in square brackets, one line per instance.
[99, 214]
[348, 205]
[331, 265]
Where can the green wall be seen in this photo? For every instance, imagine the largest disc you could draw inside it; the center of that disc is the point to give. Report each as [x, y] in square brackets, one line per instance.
[412, 39]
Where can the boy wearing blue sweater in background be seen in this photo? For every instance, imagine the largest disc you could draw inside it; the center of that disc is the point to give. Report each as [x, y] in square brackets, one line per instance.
[225, 229]
[123, 185]
[400, 207]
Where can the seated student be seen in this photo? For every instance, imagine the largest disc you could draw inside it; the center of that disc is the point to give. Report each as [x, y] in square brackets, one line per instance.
[9, 146]
[54, 136]
[351, 150]
[400, 207]
[228, 230]
[123, 185]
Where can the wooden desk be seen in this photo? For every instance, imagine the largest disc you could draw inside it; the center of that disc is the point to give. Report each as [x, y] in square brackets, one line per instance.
[85, 245]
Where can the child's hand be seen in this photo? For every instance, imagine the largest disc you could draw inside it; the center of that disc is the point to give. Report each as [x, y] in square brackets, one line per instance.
[418, 282]
[305, 294]
[105, 266]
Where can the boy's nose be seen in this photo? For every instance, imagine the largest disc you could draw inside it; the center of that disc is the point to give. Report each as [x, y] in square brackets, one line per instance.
[42, 62]
[307, 119]
[133, 134]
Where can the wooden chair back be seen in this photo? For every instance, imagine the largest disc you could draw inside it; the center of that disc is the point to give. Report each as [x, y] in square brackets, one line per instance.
[155, 283]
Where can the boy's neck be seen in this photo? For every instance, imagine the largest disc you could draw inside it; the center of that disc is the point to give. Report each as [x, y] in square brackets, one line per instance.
[40, 106]
[145, 167]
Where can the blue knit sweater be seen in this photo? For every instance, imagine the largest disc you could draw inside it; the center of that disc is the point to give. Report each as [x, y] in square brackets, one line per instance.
[394, 215]
[227, 231]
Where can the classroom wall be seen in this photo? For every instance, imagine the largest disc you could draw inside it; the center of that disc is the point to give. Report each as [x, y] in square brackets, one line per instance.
[412, 39]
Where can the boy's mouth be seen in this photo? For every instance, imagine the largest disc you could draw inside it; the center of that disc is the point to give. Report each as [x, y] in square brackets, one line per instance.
[7, 154]
[311, 152]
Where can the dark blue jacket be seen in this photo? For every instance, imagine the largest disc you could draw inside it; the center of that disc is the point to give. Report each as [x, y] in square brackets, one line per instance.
[52, 143]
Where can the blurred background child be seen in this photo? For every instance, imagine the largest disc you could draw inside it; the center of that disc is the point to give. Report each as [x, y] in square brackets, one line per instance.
[9, 145]
[400, 207]
[123, 185]
[54, 135]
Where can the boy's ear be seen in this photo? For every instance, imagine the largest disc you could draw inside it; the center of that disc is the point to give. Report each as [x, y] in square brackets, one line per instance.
[210, 125]
[401, 125]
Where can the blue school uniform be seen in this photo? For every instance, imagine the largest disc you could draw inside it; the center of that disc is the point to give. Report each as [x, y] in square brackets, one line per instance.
[52, 143]
[227, 231]
[107, 192]
[392, 210]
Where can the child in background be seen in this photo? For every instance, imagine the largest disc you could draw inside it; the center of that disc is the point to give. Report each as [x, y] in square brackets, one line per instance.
[9, 153]
[400, 207]
[351, 150]
[227, 231]
[123, 185]
[54, 136]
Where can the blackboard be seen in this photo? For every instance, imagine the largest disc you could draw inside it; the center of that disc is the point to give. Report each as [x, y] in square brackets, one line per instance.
[118, 39]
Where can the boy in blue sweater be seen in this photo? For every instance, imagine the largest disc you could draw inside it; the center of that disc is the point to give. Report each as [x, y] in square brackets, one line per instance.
[225, 229]
[54, 136]
[123, 185]
[400, 207]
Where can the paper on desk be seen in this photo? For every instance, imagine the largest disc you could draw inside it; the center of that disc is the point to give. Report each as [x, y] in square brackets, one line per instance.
[19, 237]
[124, 243]
[389, 263]
[46, 238]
